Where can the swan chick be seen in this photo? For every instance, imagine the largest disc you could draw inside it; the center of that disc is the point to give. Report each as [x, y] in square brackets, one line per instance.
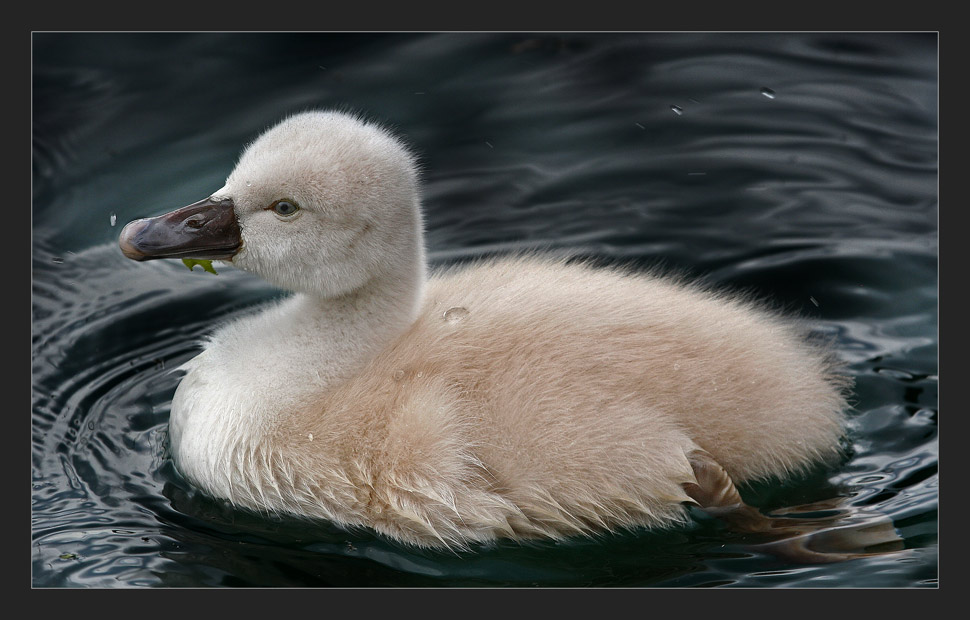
[517, 397]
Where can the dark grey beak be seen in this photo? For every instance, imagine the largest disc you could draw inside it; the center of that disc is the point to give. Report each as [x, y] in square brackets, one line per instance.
[207, 230]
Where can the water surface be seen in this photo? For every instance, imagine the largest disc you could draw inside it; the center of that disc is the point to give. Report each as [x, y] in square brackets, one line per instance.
[799, 167]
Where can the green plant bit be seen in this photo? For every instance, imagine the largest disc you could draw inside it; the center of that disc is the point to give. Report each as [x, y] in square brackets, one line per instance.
[206, 264]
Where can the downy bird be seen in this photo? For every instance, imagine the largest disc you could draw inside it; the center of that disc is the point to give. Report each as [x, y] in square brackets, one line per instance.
[519, 397]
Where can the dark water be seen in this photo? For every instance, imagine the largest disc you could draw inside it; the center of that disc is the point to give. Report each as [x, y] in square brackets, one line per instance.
[802, 167]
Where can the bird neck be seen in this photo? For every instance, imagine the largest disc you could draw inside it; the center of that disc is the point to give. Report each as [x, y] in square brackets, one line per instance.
[357, 325]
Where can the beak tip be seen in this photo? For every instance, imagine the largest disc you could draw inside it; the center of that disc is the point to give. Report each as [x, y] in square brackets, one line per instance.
[126, 240]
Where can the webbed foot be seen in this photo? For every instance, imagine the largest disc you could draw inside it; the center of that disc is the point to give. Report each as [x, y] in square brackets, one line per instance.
[846, 534]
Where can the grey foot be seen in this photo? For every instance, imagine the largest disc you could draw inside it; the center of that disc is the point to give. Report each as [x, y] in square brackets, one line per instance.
[847, 534]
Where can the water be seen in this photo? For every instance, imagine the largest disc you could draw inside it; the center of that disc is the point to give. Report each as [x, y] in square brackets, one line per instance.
[800, 167]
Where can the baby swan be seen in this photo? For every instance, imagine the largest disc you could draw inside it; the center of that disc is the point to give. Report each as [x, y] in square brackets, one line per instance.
[521, 397]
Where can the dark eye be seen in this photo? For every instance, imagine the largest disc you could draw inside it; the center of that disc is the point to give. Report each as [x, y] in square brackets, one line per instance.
[285, 208]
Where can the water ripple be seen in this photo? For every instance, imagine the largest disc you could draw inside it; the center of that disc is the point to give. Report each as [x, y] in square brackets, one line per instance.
[821, 197]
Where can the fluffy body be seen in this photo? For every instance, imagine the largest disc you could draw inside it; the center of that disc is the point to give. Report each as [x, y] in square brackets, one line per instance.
[517, 397]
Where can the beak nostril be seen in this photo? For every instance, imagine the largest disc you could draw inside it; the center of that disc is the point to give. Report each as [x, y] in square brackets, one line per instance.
[196, 221]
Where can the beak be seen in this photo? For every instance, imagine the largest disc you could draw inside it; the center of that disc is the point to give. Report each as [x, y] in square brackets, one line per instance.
[207, 230]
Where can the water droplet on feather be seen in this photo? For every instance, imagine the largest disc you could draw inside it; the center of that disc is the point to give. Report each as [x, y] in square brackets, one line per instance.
[456, 314]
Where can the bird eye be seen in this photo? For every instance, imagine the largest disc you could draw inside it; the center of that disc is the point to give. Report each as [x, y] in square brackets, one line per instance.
[284, 208]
